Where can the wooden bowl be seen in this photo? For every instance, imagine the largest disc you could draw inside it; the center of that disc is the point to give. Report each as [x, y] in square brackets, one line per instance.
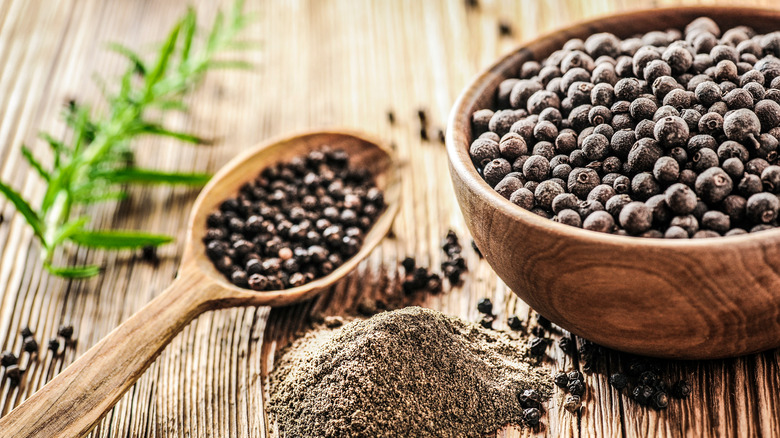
[703, 298]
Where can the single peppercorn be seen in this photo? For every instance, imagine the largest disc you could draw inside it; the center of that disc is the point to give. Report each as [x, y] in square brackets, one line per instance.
[487, 321]
[7, 359]
[30, 345]
[742, 125]
[573, 403]
[576, 387]
[530, 398]
[681, 389]
[636, 217]
[66, 331]
[762, 208]
[514, 323]
[532, 416]
[561, 379]
[25, 332]
[537, 346]
[582, 181]
[485, 306]
[618, 381]
[54, 345]
[713, 185]
[566, 345]
[13, 374]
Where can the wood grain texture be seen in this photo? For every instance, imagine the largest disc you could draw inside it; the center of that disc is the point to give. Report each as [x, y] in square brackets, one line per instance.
[688, 295]
[334, 63]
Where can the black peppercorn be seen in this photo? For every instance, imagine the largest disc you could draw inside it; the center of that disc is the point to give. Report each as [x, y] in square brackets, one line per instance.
[65, 330]
[13, 374]
[561, 379]
[8, 358]
[54, 345]
[514, 323]
[30, 345]
[681, 389]
[573, 403]
[713, 185]
[537, 346]
[742, 125]
[762, 208]
[536, 168]
[636, 217]
[26, 332]
[576, 387]
[487, 321]
[566, 345]
[484, 305]
[618, 381]
[770, 178]
[532, 416]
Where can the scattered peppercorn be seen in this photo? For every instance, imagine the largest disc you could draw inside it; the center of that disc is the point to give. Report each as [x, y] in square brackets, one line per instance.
[30, 345]
[66, 331]
[8, 358]
[573, 403]
[54, 345]
[504, 28]
[618, 381]
[487, 321]
[295, 222]
[514, 323]
[13, 374]
[454, 265]
[485, 306]
[576, 387]
[561, 379]
[537, 346]
[26, 332]
[683, 114]
[681, 389]
[566, 345]
[532, 416]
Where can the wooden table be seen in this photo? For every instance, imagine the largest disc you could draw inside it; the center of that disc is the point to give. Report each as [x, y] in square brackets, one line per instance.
[324, 64]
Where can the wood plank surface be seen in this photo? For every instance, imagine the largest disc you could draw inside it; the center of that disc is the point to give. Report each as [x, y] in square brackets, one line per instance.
[323, 64]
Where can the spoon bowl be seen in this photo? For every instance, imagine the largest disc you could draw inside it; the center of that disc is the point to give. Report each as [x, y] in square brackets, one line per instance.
[74, 401]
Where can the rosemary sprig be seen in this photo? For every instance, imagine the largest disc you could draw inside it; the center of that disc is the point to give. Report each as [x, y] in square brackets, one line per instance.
[96, 162]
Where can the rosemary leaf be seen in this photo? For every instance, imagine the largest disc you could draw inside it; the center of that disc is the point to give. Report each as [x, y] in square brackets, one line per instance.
[24, 208]
[28, 155]
[119, 239]
[73, 271]
[155, 129]
[150, 176]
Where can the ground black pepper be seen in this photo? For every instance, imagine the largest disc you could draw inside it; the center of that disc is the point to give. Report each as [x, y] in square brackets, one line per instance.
[319, 385]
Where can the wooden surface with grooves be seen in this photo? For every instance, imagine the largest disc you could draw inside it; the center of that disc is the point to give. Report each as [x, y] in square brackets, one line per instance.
[324, 64]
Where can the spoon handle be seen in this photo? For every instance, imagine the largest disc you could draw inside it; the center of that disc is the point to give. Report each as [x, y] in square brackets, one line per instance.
[73, 402]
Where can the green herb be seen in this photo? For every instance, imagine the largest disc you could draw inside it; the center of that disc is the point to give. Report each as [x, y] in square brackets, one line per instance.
[96, 162]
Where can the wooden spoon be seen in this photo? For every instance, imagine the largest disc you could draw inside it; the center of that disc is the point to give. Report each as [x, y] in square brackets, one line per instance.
[74, 401]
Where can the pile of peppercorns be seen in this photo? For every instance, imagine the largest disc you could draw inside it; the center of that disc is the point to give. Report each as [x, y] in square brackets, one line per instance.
[11, 362]
[418, 278]
[297, 221]
[454, 265]
[666, 134]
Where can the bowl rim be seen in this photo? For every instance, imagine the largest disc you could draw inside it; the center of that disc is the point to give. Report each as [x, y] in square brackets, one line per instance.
[457, 144]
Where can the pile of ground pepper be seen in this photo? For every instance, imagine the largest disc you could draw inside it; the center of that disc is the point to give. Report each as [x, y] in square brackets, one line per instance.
[409, 372]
